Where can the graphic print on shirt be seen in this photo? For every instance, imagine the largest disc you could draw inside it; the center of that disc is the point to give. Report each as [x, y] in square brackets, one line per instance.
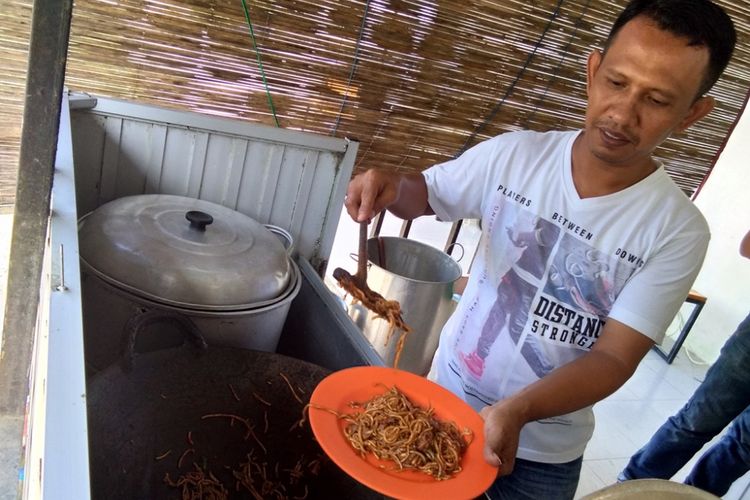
[551, 292]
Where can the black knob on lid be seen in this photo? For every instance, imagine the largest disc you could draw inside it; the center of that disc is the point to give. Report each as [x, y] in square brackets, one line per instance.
[198, 220]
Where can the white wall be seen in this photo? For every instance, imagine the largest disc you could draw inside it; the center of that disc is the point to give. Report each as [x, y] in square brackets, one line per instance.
[725, 276]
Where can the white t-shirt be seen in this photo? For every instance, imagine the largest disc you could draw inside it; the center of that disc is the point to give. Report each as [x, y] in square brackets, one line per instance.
[551, 268]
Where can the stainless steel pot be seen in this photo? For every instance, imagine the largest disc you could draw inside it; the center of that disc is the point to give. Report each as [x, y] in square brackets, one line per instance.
[421, 278]
[226, 272]
[651, 489]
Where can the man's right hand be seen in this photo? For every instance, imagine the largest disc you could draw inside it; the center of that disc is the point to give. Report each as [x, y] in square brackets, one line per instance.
[370, 193]
[375, 190]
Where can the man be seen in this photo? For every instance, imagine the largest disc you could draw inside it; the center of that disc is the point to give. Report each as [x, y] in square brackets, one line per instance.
[722, 398]
[628, 248]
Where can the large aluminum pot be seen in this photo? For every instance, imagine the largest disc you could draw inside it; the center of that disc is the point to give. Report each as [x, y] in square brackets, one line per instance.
[420, 278]
[227, 273]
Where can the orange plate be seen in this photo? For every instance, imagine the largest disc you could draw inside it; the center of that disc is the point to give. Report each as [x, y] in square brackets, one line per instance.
[362, 383]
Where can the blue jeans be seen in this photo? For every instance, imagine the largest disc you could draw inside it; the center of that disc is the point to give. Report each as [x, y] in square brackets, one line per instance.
[537, 481]
[723, 397]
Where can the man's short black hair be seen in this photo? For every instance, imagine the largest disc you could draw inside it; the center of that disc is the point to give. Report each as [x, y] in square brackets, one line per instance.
[702, 22]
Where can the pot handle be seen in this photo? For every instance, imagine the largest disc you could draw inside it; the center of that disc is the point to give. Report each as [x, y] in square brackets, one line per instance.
[285, 236]
[199, 220]
[137, 322]
[454, 245]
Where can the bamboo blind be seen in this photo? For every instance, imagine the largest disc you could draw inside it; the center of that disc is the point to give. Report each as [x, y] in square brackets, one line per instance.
[15, 20]
[429, 79]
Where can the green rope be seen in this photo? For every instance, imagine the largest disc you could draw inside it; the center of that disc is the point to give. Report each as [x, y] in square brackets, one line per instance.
[260, 63]
[355, 61]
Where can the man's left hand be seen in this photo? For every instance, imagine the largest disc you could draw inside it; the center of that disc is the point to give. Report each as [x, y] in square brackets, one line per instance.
[502, 427]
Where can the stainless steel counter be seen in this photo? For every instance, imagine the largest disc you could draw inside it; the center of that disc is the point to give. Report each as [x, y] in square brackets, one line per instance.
[101, 156]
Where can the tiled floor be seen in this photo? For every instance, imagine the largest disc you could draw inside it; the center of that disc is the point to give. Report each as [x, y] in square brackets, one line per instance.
[627, 419]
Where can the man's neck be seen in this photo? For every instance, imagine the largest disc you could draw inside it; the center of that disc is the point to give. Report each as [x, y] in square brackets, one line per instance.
[593, 177]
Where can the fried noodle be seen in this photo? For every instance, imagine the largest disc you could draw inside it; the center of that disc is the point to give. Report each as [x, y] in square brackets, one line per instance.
[389, 310]
[196, 485]
[392, 428]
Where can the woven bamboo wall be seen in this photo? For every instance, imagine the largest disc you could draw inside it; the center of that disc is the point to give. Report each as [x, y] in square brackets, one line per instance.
[15, 18]
[414, 81]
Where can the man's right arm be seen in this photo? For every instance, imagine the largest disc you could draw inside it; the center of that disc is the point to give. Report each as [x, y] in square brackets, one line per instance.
[404, 195]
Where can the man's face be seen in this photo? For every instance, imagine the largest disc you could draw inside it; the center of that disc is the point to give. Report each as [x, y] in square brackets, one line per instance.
[642, 90]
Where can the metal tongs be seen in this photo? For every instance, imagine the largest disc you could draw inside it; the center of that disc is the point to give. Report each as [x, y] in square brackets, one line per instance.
[357, 287]
[358, 281]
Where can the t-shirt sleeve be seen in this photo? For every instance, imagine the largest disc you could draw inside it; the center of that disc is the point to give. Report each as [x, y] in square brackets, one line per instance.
[456, 189]
[654, 295]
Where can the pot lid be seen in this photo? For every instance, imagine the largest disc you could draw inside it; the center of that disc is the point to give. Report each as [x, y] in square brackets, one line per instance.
[185, 252]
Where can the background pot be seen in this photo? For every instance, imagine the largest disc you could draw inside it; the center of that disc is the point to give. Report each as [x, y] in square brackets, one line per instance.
[651, 489]
[157, 409]
[421, 278]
